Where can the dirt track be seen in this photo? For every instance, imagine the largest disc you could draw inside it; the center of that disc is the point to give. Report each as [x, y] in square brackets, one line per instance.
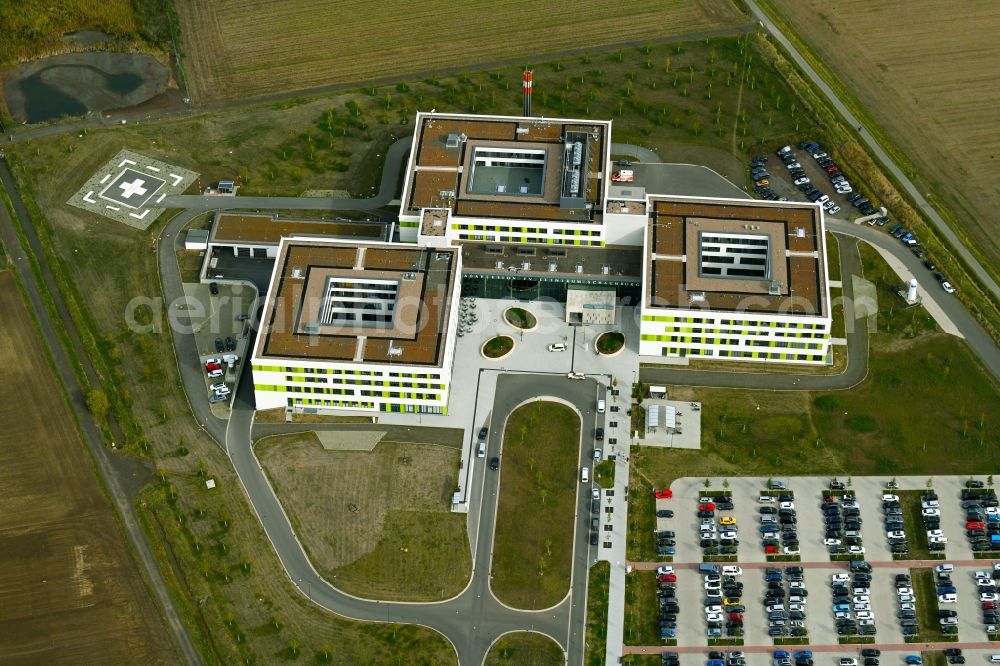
[72, 593]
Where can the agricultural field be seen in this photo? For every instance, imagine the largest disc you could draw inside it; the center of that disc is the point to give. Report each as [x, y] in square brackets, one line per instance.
[72, 593]
[248, 49]
[931, 90]
[377, 523]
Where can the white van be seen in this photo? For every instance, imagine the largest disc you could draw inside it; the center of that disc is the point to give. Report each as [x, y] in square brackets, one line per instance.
[585, 475]
[600, 406]
[481, 452]
[557, 347]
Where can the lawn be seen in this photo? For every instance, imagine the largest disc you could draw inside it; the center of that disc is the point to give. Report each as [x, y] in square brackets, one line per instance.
[597, 613]
[925, 591]
[533, 548]
[376, 524]
[525, 648]
[610, 342]
[498, 347]
[245, 49]
[604, 474]
[641, 609]
[520, 318]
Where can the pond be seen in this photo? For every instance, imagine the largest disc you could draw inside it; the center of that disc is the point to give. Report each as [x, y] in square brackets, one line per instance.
[76, 83]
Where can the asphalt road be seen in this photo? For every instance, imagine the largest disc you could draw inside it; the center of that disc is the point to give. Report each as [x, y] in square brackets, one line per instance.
[884, 157]
[92, 438]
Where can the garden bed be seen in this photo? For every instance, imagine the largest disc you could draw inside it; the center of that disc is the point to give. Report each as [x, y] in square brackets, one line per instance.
[497, 347]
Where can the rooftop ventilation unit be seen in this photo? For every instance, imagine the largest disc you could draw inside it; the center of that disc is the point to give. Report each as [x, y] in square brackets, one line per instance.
[774, 289]
[605, 269]
[552, 268]
[499, 265]
[526, 266]
[579, 268]
[312, 328]
[447, 194]
[395, 351]
[296, 272]
[697, 297]
[800, 232]
[409, 276]
[440, 256]
[577, 153]
[452, 141]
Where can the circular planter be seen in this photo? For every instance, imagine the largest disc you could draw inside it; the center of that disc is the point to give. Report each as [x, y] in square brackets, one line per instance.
[500, 345]
[613, 342]
[521, 319]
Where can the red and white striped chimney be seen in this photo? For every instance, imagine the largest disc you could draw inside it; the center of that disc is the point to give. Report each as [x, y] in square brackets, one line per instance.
[526, 84]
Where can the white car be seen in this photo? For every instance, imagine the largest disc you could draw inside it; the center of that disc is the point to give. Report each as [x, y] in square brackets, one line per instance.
[796, 607]
[819, 156]
[840, 578]
[981, 574]
[787, 550]
[865, 615]
[861, 599]
[897, 534]
[732, 571]
[796, 585]
[934, 533]
[831, 542]
[984, 582]
[937, 539]
[823, 199]
[666, 569]
[712, 585]
[787, 505]
[930, 504]
[862, 607]
[856, 550]
[801, 181]
[948, 287]
[215, 374]
[930, 512]
[713, 609]
[714, 617]
[950, 598]
[828, 204]
[794, 165]
[796, 599]
[949, 620]
[902, 589]
[944, 568]
[834, 209]
[907, 599]
[887, 497]
[907, 607]
[557, 347]
[774, 608]
[218, 387]
[866, 623]
[842, 615]
[224, 391]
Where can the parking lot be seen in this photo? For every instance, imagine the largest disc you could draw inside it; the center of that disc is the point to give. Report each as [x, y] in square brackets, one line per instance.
[805, 172]
[877, 602]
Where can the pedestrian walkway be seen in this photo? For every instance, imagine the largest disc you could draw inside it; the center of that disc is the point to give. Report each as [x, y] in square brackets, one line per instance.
[617, 500]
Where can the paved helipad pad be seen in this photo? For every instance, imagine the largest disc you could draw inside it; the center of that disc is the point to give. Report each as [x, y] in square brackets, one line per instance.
[130, 187]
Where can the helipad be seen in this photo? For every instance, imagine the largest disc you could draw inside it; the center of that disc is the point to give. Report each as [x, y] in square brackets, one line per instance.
[130, 188]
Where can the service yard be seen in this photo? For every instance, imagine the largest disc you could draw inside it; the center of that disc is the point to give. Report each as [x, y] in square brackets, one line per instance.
[246, 49]
[818, 596]
[71, 592]
[376, 523]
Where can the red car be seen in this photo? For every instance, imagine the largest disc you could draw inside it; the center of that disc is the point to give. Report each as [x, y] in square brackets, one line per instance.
[989, 605]
[829, 499]
[973, 525]
[770, 550]
[663, 493]
[667, 578]
[832, 169]
[735, 616]
[707, 506]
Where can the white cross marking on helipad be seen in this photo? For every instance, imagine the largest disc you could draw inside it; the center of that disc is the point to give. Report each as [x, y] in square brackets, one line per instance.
[135, 187]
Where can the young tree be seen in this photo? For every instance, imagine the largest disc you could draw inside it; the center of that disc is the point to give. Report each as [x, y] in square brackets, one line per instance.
[97, 403]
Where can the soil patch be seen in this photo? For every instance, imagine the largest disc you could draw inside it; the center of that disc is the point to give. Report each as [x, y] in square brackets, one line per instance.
[73, 84]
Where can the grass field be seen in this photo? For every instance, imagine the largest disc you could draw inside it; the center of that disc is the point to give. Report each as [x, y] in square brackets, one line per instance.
[930, 89]
[925, 592]
[245, 49]
[377, 524]
[525, 648]
[597, 613]
[72, 593]
[915, 530]
[641, 607]
[533, 545]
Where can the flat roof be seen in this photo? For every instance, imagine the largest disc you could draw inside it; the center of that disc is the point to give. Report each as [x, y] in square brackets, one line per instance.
[267, 229]
[307, 276]
[794, 279]
[604, 264]
[525, 167]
